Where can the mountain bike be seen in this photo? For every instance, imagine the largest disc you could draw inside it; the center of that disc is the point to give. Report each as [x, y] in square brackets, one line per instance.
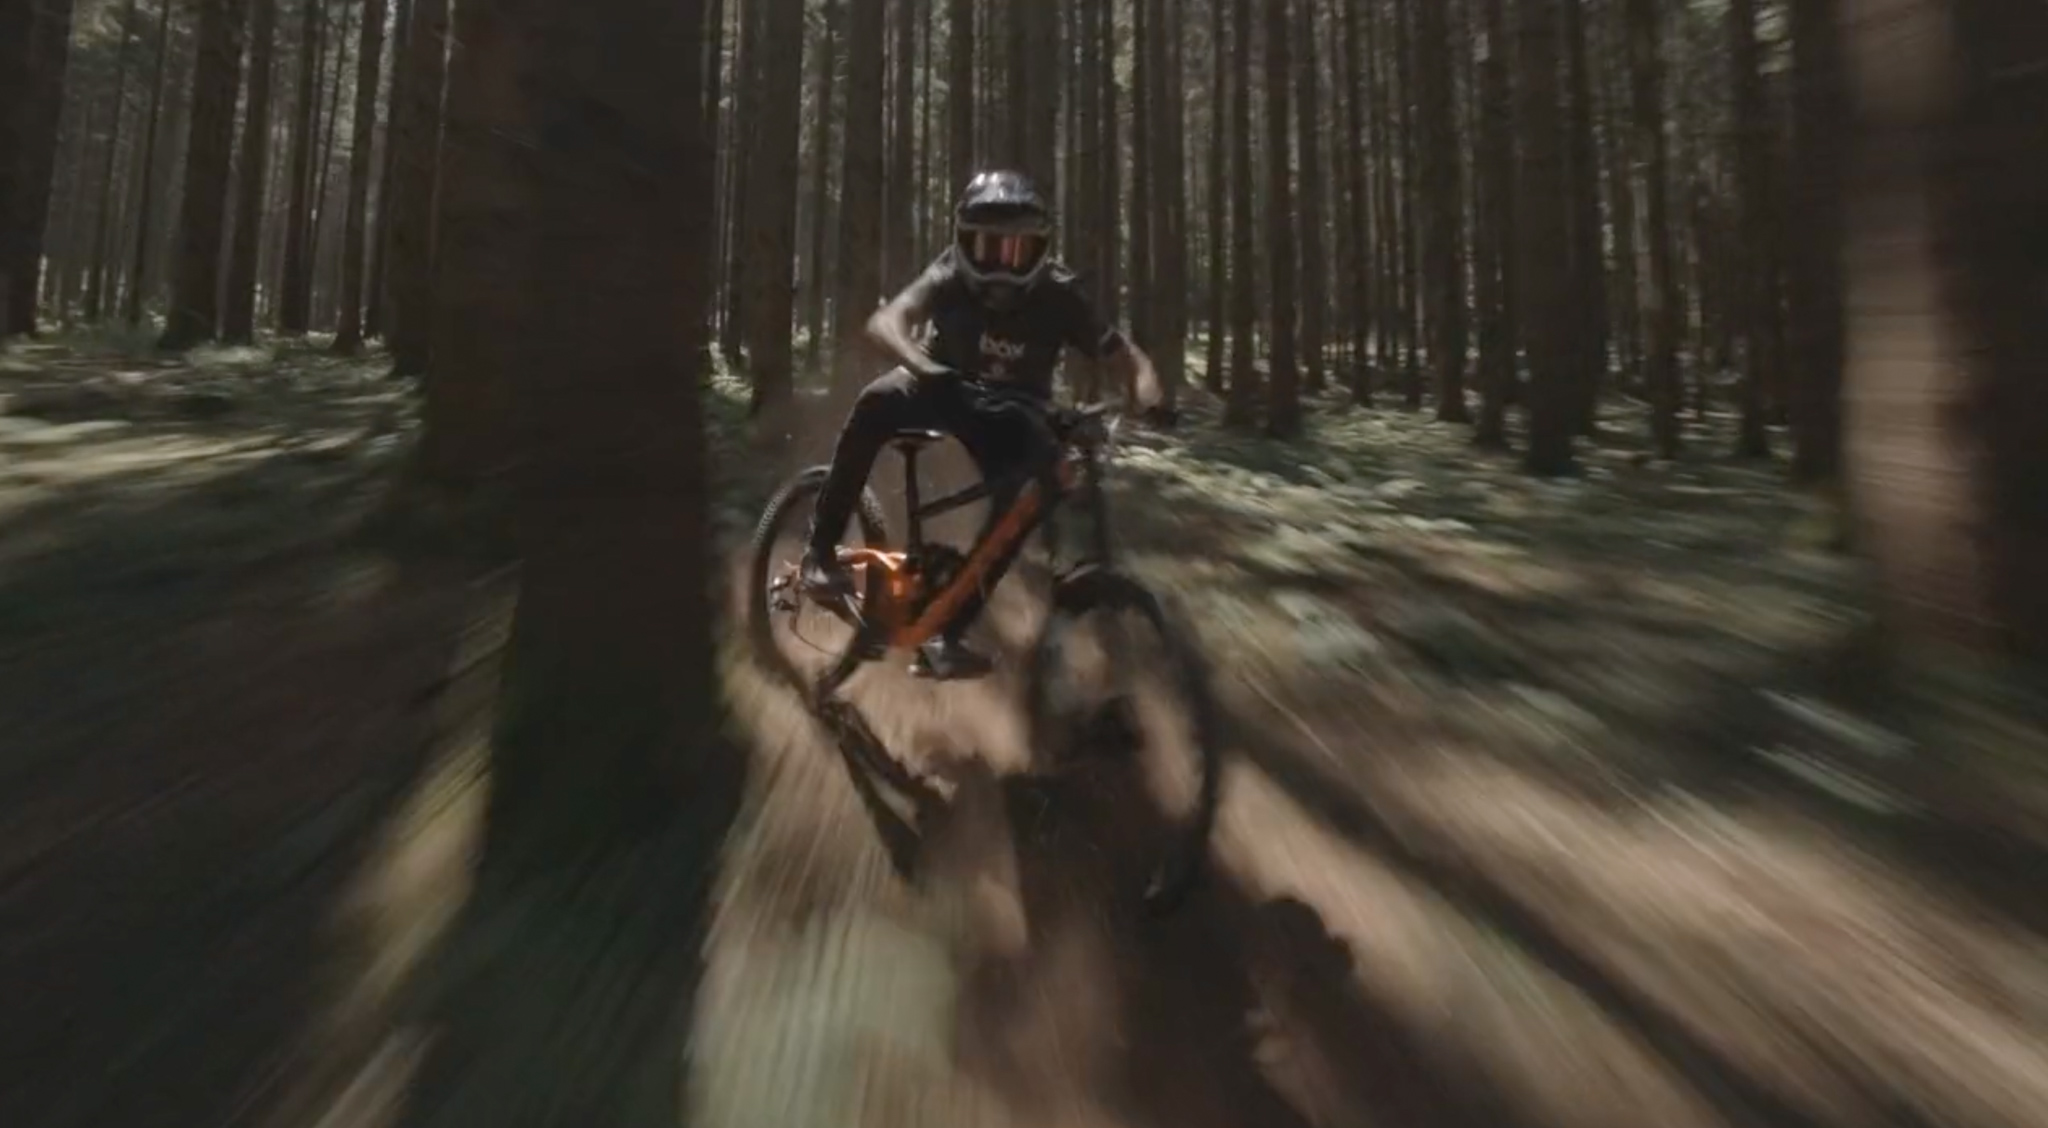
[1109, 671]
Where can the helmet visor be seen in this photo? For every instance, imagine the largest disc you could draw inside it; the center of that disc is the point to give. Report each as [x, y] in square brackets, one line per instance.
[1002, 252]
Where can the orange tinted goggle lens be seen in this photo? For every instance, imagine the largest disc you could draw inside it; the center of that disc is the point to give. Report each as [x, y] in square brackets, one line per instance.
[1016, 252]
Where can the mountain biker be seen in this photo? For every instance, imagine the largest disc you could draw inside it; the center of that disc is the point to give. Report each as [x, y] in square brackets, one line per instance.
[1001, 308]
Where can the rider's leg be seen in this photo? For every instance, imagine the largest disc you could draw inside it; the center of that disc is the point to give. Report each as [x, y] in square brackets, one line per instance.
[893, 402]
[1000, 445]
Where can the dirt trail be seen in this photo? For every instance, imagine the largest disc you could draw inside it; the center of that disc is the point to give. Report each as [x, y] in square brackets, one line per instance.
[239, 790]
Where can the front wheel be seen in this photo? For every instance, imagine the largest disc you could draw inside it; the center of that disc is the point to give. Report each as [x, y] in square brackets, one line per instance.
[795, 638]
[1113, 681]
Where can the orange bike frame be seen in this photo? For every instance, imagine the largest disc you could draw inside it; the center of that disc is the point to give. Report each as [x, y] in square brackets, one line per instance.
[1016, 522]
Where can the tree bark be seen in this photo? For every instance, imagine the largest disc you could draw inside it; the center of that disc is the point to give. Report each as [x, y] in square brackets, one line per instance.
[238, 318]
[196, 276]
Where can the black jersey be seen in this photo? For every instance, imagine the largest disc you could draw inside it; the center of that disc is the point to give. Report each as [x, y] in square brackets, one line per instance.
[1019, 345]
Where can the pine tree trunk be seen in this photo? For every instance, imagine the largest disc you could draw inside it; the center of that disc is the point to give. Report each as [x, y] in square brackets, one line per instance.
[611, 782]
[1545, 278]
[1820, 122]
[294, 314]
[1169, 189]
[959, 91]
[1746, 251]
[1241, 406]
[468, 440]
[823, 165]
[1138, 205]
[417, 93]
[36, 157]
[238, 318]
[1496, 238]
[348, 335]
[377, 304]
[1589, 343]
[1283, 405]
[899, 263]
[1109, 293]
[196, 275]
[146, 179]
[1308, 143]
[95, 298]
[1219, 195]
[17, 39]
[857, 276]
[768, 252]
[1661, 309]
[1358, 237]
[1437, 140]
[327, 286]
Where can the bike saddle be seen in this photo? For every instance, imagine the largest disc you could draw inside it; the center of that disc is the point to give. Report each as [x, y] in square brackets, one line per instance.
[918, 436]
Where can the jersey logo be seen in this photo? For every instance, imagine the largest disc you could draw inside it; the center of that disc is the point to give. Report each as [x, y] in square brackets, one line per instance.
[999, 353]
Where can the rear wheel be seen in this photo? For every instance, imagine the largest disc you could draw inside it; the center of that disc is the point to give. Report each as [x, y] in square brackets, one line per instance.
[794, 637]
[1114, 683]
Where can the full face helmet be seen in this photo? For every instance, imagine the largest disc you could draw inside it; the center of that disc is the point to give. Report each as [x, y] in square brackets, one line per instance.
[1002, 235]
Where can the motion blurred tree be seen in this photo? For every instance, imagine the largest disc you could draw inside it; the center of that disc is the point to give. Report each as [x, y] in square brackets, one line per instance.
[611, 785]
[1948, 318]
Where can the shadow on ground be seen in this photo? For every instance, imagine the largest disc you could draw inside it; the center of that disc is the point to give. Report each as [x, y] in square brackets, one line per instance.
[206, 725]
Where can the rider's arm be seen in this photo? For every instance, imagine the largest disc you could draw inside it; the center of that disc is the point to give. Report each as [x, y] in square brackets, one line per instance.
[1133, 370]
[1099, 341]
[892, 326]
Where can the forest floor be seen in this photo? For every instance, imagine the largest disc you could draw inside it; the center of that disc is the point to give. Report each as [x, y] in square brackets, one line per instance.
[1551, 803]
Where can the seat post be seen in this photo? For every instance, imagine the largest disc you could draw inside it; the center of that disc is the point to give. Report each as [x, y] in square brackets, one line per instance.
[913, 521]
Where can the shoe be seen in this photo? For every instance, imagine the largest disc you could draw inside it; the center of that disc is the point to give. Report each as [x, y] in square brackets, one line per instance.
[824, 578]
[947, 659]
